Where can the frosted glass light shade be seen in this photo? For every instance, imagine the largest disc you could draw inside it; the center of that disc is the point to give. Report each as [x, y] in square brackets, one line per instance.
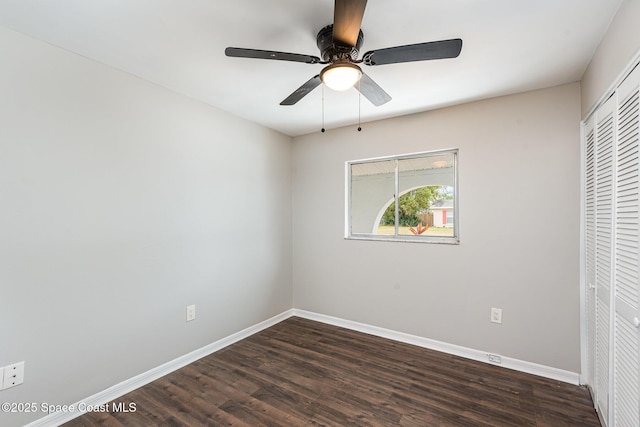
[341, 76]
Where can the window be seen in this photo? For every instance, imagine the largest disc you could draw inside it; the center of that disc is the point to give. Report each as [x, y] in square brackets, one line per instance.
[426, 209]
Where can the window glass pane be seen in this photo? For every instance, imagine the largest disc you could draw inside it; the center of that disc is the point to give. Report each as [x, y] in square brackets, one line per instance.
[426, 186]
[409, 197]
[372, 189]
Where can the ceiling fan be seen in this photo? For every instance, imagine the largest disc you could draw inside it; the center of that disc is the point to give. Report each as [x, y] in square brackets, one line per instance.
[340, 44]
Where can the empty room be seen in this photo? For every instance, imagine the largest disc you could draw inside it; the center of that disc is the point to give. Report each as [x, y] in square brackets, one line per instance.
[327, 212]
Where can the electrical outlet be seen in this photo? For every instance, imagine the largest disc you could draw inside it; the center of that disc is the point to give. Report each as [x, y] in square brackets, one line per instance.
[13, 375]
[494, 358]
[191, 312]
[496, 315]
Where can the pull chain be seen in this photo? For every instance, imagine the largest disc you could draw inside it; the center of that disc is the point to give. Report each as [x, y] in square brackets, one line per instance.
[359, 108]
[322, 130]
[359, 104]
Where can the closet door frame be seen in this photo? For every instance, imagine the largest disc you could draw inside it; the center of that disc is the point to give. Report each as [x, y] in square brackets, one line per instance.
[604, 388]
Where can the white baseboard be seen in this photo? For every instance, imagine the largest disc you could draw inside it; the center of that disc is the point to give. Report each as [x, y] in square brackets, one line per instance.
[114, 392]
[469, 353]
[118, 390]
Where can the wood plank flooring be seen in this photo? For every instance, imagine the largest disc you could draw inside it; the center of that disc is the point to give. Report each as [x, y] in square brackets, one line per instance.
[304, 373]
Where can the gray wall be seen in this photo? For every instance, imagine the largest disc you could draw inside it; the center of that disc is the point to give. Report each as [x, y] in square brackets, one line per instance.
[519, 157]
[122, 203]
[618, 47]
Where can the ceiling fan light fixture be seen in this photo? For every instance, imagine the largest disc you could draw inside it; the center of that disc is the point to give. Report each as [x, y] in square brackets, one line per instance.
[341, 75]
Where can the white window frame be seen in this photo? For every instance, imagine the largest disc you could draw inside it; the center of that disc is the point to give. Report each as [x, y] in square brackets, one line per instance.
[452, 240]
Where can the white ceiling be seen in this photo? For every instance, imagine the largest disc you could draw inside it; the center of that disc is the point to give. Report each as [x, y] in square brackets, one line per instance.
[509, 46]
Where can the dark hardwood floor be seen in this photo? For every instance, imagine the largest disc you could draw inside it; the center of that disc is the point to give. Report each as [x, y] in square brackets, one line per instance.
[300, 373]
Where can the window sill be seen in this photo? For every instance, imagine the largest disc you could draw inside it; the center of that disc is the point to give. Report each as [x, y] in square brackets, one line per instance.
[407, 239]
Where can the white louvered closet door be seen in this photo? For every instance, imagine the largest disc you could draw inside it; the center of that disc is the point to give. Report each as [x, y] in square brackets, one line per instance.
[604, 161]
[590, 243]
[626, 338]
[612, 254]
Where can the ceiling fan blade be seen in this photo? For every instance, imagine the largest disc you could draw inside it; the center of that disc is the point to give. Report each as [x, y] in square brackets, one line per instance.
[414, 52]
[347, 19]
[238, 52]
[372, 91]
[302, 91]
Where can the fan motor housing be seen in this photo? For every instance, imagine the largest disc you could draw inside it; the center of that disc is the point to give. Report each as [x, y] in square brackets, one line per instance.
[332, 51]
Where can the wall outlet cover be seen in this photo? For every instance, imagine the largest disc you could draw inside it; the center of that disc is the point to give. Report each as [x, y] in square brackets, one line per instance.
[494, 358]
[496, 315]
[13, 375]
[191, 312]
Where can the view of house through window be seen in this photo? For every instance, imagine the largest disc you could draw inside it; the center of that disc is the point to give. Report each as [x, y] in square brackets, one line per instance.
[425, 209]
